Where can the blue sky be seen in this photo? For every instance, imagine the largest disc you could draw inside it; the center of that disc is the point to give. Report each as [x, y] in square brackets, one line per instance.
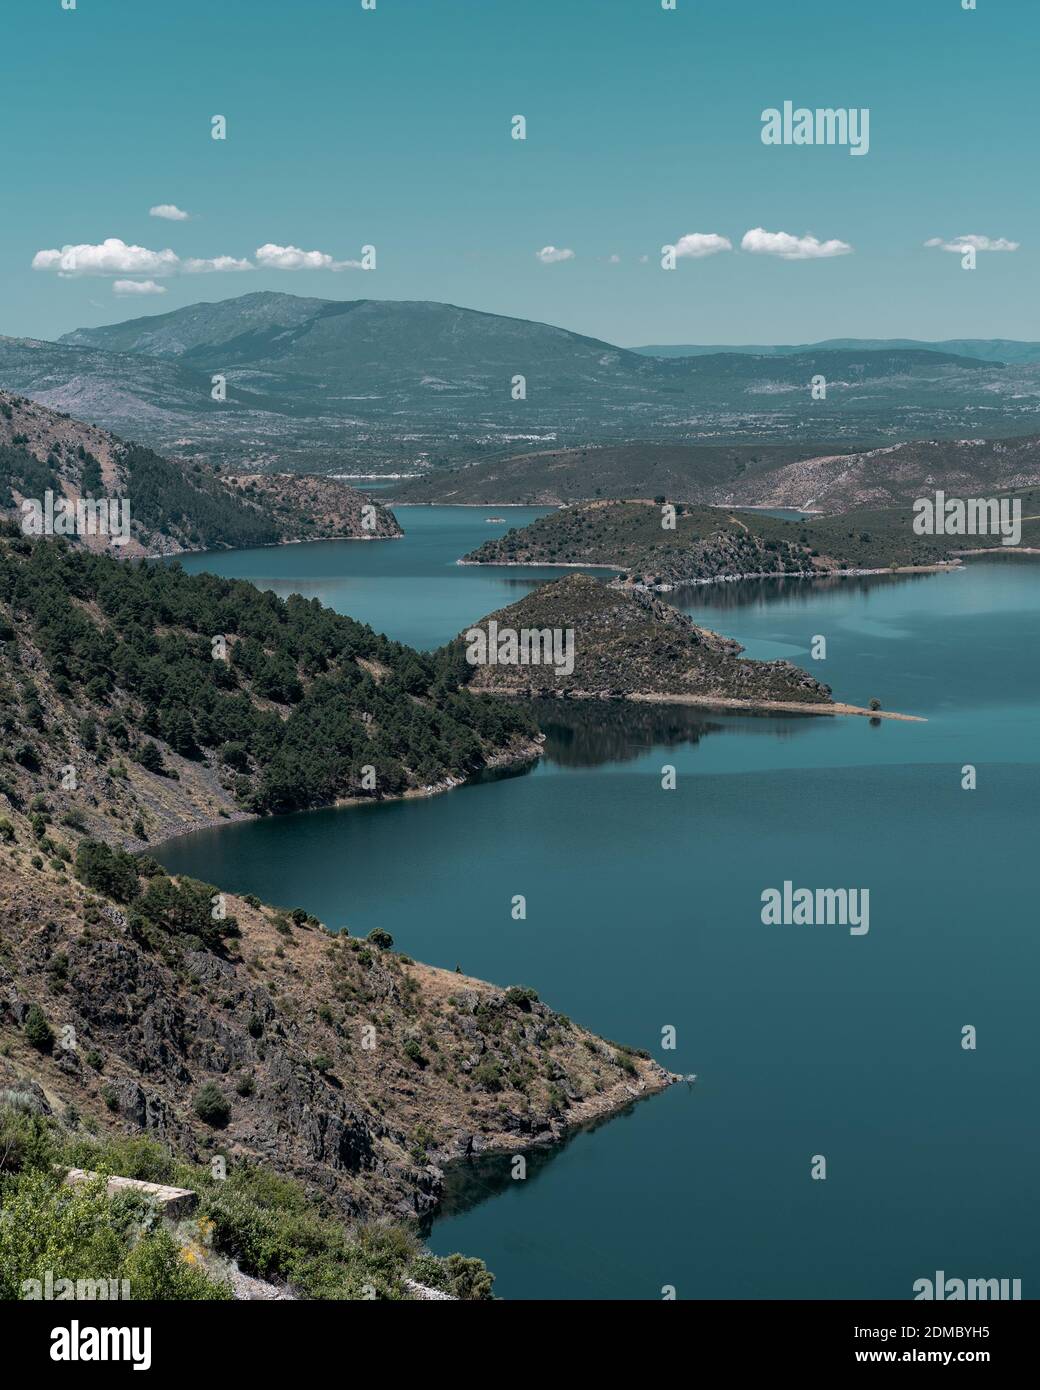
[392, 128]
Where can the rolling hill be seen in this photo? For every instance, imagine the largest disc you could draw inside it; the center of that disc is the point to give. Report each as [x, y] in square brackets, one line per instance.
[775, 476]
[551, 477]
[895, 474]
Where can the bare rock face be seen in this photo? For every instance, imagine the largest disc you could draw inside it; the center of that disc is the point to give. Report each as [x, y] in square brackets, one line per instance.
[278, 1022]
[313, 507]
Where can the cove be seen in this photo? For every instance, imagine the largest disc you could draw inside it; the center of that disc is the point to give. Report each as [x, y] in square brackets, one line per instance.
[410, 588]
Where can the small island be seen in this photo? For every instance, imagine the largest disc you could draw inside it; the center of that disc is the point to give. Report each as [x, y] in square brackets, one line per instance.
[623, 643]
[659, 545]
[580, 638]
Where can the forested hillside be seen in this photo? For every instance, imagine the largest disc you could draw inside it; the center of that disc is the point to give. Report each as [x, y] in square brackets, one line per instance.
[187, 695]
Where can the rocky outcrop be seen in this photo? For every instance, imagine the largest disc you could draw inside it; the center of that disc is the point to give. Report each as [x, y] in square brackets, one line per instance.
[335, 1060]
[313, 507]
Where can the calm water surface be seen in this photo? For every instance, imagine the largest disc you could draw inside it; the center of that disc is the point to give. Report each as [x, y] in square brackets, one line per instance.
[643, 912]
[411, 589]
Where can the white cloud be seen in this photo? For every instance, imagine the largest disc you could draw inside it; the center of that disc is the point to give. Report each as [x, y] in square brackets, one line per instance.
[698, 244]
[125, 288]
[193, 266]
[614, 259]
[549, 255]
[980, 243]
[115, 257]
[169, 212]
[271, 257]
[791, 248]
[111, 257]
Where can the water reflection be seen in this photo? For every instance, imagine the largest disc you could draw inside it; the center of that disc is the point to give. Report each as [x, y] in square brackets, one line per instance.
[515, 577]
[758, 593]
[589, 733]
[470, 1181]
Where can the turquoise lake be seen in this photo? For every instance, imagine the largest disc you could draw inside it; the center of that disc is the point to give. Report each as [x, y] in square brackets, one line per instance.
[644, 912]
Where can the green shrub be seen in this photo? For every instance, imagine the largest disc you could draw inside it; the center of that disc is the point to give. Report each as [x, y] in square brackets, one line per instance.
[212, 1106]
[37, 1030]
[521, 997]
[184, 908]
[151, 759]
[461, 1275]
[108, 871]
[626, 1063]
[489, 1076]
[157, 1271]
[26, 1136]
[80, 1233]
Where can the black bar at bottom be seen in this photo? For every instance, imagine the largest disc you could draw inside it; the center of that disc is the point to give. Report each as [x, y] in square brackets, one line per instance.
[241, 1337]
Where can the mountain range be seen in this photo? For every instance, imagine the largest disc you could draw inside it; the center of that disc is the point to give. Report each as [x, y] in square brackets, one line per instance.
[402, 387]
[1000, 350]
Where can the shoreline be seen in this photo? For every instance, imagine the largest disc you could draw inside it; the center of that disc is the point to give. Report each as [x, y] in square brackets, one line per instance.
[1000, 550]
[939, 567]
[839, 707]
[586, 1113]
[534, 565]
[263, 545]
[529, 754]
[488, 506]
[813, 707]
[767, 507]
